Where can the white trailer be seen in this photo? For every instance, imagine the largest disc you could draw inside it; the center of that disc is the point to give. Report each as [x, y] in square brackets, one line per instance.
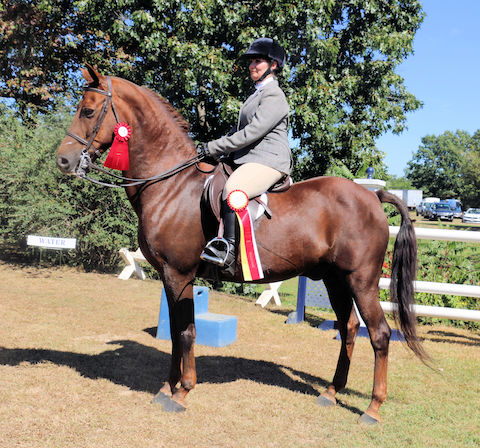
[412, 197]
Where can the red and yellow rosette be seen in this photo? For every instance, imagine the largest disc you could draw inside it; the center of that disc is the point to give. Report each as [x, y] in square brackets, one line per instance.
[251, 266]
[117, 158]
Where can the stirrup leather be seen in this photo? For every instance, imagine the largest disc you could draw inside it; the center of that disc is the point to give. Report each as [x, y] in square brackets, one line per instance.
[217, 251]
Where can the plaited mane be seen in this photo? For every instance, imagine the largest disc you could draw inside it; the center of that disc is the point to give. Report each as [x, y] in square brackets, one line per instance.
[177, 116]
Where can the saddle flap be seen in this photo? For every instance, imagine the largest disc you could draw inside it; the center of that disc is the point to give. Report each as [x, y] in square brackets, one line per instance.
[213, 188]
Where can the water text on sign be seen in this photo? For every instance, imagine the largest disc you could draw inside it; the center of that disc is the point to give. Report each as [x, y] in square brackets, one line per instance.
[51, 243]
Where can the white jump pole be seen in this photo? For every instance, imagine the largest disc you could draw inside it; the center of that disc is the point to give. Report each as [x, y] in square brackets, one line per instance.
[437, 311]
[465, 236]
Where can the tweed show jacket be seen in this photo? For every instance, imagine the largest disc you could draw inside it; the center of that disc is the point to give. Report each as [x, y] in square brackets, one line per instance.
[262, 131]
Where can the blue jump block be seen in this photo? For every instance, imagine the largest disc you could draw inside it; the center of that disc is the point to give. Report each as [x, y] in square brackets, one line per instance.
[215, 330]
[320, 298]
[396, 335]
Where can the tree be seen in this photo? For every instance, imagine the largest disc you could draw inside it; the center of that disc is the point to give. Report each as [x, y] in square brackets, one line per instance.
[340, 78]
[36, 198]
[470, 168]
[41, 46]
[399, 183]
[448, 166]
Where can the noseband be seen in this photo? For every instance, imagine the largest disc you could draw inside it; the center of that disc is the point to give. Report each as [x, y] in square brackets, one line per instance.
[86, 163]
[108, 100]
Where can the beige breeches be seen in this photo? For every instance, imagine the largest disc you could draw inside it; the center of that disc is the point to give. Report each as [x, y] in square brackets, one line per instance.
[252, 178]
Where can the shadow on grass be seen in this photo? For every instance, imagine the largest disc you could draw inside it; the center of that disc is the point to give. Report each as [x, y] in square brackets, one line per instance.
[143, 368]
[453, 338]
[310, 319]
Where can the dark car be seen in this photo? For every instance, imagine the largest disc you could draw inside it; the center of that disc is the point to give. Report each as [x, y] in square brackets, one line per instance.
[427, 209]
[441, 210]
[419, 209]
[456, 207]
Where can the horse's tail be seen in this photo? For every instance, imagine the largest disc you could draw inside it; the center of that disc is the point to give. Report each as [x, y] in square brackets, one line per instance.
[404, 269]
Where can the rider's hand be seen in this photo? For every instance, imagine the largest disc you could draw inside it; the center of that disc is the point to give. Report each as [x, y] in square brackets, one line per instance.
[202, 150]
[204, 153]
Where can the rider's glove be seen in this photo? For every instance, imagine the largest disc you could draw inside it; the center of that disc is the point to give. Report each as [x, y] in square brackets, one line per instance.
[202, 150]
[204, 153]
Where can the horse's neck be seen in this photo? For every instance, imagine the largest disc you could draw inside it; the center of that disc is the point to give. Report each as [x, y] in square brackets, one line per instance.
[158, 141]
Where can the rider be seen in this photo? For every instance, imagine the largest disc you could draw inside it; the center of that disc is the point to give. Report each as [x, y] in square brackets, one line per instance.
[259, 146]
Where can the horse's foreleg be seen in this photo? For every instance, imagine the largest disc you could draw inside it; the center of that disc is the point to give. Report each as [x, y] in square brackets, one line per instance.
[182, 366]
[348, 325]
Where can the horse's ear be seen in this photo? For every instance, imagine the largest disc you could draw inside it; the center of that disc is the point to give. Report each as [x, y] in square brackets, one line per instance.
[92, 76]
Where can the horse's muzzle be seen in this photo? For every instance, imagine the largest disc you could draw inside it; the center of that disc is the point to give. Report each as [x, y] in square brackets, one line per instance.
[68, 162]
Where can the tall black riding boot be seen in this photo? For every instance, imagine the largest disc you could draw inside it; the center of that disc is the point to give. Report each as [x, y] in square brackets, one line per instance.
[229, 219]
[221, 251]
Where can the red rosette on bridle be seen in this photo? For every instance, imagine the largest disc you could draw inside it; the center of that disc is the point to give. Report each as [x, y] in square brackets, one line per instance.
[117, 158]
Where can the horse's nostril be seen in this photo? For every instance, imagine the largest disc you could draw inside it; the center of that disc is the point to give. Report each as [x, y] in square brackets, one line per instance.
[63, 163]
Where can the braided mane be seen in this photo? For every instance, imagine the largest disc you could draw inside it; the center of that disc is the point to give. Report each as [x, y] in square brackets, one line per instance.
[175, 115]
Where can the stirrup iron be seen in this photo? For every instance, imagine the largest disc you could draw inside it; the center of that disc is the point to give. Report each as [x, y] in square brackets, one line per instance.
[216, 251]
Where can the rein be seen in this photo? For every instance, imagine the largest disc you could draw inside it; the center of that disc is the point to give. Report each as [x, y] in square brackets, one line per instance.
[86, 164]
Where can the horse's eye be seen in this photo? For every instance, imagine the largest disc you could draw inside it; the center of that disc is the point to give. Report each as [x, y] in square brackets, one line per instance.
[86, 112]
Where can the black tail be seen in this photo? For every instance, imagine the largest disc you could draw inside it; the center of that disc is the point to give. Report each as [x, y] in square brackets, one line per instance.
[404, 270]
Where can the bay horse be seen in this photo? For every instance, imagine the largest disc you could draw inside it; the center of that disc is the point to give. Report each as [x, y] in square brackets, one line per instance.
[323, 228]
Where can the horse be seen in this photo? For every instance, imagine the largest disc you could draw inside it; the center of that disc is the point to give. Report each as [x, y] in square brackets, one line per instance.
[323, 228]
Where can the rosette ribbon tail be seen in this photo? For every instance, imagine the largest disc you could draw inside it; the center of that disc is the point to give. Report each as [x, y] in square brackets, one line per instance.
[250, 259]
[118, 157]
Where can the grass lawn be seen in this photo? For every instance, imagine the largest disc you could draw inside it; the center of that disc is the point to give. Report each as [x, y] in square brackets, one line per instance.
[79, 366]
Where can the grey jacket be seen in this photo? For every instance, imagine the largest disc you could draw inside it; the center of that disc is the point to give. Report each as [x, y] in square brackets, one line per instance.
[262, 134]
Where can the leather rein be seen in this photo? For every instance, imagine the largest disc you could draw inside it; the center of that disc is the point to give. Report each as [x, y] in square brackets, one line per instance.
[86, 163]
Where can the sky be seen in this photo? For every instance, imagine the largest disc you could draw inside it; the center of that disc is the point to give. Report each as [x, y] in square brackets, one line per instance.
[443, 73]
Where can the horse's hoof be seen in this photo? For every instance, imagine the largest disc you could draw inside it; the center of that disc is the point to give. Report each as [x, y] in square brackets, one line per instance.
[325, 402]
[366, 419]
[167, 403]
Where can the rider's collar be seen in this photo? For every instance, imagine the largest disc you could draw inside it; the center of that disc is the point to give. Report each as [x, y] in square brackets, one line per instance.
[264, 82]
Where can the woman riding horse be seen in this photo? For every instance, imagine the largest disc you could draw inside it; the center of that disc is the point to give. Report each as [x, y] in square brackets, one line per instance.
[259, 145]
[323, 228]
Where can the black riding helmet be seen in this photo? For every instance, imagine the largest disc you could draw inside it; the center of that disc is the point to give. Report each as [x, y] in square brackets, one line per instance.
[268, 49]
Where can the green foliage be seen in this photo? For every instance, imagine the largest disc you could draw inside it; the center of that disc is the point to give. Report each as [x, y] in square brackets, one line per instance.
[41, 45]
[449, 262]
[340, 77]
[37, 199]
[399, 183]
[444, 262]
[448, 166]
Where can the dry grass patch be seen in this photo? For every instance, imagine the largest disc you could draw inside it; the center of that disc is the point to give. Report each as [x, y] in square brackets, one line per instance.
[79, 367]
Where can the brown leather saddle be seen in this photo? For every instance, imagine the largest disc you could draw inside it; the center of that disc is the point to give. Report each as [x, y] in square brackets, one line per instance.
[212, 191]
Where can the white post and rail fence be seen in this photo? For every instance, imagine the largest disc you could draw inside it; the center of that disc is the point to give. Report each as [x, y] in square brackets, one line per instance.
[132, 259]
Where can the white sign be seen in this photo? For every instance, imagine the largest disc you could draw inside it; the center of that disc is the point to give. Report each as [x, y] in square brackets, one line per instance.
[51, 243]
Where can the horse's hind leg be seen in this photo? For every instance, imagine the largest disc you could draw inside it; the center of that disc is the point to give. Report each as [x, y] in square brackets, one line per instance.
[369, 306]
[182, 331]
[348, 324]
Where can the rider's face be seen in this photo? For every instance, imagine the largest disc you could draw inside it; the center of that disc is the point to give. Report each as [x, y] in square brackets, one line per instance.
[257, 68]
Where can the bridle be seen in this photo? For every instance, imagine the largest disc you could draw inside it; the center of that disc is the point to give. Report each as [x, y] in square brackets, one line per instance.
[108, 100]
[86, 163]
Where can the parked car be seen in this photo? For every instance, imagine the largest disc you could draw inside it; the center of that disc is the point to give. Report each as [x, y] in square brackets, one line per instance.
[441, 210]
[420, 208]
[472, 215]
[427, 208]
[456, 207]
